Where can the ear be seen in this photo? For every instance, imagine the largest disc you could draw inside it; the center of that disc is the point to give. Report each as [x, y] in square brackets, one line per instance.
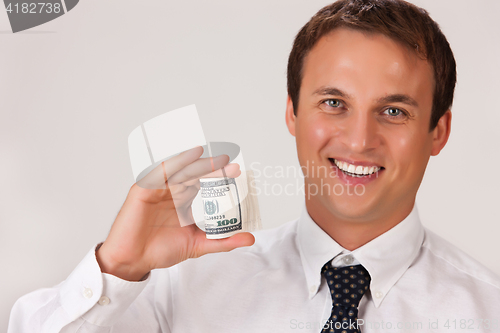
[441, 133]
[290, 116]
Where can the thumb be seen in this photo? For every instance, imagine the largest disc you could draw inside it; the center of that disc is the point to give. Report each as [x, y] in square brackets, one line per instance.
[225, 244]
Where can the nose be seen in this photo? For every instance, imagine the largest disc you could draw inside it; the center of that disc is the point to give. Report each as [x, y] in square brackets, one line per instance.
[359, 132]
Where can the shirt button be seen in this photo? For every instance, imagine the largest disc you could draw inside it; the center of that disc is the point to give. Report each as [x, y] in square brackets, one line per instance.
[87, 293]
[378, 294]
[312, 289]
[348, 260]
[103, 300]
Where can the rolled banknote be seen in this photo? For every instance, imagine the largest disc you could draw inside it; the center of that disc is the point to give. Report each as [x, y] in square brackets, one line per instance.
[230, 205]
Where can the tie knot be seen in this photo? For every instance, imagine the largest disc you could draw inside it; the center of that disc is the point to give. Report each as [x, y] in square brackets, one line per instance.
[347, 284]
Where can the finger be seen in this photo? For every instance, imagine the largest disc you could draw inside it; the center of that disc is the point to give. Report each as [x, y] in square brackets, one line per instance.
[178, 162]
[177, 189]
[231, 170]
[198, 169]
[193, 182]
[184, 192]
[157, 177]
[184, 196]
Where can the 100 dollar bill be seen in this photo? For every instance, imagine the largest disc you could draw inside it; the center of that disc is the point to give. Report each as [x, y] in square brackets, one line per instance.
[229, 206]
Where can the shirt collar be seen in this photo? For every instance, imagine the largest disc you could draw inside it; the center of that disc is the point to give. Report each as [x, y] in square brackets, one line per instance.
[386, 257]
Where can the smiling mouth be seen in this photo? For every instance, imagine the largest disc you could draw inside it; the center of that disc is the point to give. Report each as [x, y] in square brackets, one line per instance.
[356, 170]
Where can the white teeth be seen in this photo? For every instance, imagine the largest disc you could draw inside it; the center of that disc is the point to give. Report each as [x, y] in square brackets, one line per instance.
[358, 170]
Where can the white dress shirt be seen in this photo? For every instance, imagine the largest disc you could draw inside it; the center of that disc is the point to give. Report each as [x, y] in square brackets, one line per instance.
[419, 283]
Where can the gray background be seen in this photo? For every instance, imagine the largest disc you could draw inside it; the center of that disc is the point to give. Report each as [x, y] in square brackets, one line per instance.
[72, 90]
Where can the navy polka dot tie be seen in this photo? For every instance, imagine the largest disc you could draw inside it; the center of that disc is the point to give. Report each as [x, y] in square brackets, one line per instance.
[347, 286]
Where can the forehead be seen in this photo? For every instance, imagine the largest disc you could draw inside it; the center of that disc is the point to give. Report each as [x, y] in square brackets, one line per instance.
[367, 64]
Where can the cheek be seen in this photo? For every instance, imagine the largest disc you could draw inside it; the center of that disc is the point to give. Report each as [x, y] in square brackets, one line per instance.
[410, 149]
[402, 148]
[313, 134]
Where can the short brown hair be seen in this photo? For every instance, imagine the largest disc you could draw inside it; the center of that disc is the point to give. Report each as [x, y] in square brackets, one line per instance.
[396, 19]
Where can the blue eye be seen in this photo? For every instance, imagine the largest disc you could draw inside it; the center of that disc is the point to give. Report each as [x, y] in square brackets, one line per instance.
[393, 112]
[334, 103]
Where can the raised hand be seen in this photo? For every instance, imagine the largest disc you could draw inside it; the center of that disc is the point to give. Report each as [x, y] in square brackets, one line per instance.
[155, 226]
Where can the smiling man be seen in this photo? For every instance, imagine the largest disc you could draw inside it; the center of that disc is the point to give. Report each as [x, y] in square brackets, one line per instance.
[364, 109]
[370, 86]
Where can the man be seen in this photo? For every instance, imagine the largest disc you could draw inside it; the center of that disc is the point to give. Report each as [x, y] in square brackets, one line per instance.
[370, 86]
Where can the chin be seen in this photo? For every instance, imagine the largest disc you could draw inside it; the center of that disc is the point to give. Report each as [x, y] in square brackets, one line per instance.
[350, 208]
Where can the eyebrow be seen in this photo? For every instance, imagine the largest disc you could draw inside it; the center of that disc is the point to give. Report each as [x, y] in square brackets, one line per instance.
[395, 98]
[331, 91]
[398, 98]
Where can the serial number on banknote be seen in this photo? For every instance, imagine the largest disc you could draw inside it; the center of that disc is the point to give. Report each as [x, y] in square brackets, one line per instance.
[217, 217]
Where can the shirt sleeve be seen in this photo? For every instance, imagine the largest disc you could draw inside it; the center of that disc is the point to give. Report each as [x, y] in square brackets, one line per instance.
[87, 301]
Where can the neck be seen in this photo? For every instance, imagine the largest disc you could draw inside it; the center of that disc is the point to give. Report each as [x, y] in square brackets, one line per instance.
[352, 233]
